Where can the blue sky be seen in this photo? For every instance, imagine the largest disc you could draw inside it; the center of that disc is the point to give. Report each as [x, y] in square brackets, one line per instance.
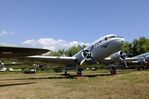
[72, 20]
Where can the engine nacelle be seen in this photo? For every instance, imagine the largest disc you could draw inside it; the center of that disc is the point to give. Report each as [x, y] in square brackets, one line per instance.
[147, 59]
[118, 56]
[144, 61]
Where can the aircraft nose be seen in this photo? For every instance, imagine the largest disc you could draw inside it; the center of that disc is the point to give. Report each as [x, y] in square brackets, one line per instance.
[121, 40]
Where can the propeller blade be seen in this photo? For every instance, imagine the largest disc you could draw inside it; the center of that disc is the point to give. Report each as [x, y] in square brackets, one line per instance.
[82, 61]
[91, 48]
[80, 47]
[125, 63]
[94, 60]
[124, 56]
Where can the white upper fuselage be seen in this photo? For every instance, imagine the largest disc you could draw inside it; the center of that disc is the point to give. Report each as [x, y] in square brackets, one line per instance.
[103, 47]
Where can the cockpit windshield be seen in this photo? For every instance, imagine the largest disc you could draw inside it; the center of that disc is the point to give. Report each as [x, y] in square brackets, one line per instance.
[108, 37]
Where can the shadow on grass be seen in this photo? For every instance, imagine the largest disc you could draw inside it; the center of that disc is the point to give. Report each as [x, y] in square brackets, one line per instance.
[16, 84]
[62, 76]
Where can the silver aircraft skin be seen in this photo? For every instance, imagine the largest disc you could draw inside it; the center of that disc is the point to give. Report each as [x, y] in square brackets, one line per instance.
[142, 58]
[92, 54]
[120, 56]
[120, 59]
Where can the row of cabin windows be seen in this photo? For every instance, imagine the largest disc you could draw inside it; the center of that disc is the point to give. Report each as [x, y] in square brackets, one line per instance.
[106, 38]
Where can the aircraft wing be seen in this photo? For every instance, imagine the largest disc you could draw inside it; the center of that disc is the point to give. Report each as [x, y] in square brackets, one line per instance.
[50, 60]
[109, 60]
[14, 52]
[132, 59]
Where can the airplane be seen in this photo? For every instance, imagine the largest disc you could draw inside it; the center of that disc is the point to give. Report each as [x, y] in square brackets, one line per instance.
[121, 57]
[92, 54]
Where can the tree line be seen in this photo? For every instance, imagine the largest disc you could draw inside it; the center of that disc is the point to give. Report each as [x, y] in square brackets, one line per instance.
[138, 46]
[69, 52]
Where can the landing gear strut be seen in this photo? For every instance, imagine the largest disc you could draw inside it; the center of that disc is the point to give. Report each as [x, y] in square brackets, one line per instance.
[140, 68]
[77, 68]
[66, 72]
[113, 70]
[79, 71]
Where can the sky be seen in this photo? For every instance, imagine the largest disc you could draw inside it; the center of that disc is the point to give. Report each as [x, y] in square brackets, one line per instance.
[56, 24]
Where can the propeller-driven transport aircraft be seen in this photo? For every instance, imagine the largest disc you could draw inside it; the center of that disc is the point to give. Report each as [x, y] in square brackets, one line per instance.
[121, 57]
[92, 54]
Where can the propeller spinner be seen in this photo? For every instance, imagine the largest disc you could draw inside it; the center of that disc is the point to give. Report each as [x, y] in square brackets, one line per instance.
[123, 55]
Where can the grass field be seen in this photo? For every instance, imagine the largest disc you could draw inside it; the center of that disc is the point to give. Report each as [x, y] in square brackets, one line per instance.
[94, 85]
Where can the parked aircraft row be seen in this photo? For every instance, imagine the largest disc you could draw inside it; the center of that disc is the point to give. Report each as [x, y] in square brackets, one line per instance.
[97, 53]
[120, 58]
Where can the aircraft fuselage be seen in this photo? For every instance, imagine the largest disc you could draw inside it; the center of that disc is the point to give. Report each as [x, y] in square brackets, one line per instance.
[102, 48]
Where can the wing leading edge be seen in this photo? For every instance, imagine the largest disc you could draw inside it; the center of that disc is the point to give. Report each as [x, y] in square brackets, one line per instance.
[51, 60]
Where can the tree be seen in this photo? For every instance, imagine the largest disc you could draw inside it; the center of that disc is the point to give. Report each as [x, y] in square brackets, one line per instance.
[127, 47]
[72, 51]
[60, 52]
[138, 46]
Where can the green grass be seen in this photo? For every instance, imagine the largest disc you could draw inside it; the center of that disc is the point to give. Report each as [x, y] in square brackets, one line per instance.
[128, 84]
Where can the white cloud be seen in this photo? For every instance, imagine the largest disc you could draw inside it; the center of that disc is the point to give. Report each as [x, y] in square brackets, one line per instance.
[52, 44]
[4, 32]
[30, 42]
[6, 44]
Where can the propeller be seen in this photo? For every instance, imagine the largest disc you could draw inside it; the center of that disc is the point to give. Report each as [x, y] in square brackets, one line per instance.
[125, 63]
[123, 55]
[87, 54]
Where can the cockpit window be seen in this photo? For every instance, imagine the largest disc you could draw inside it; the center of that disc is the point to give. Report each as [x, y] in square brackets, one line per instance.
[106, 38]
[111, 37]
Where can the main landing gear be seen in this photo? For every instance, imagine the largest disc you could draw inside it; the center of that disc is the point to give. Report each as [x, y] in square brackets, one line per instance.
[113, 69]
[79, 71]
[66, 73]
[77, 68]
